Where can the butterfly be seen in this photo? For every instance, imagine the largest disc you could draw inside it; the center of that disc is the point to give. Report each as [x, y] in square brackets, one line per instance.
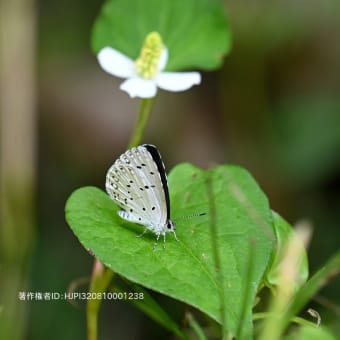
[137, 182]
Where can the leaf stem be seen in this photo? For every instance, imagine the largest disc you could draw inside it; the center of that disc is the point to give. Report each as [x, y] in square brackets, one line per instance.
[143, 116]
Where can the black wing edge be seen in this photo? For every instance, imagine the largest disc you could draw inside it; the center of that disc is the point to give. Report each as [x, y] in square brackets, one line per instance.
[156, 156]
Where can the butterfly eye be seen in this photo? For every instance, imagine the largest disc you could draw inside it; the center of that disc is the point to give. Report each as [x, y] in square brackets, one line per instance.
[171, 225]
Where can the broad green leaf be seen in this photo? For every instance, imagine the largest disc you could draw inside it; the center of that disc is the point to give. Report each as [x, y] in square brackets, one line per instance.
[186, 270]
[284, 231]
[194, 31]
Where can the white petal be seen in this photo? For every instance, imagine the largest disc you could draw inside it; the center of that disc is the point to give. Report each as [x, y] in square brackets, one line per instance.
[138, 87]
[163, 59]
[116, 63]
[177, 81]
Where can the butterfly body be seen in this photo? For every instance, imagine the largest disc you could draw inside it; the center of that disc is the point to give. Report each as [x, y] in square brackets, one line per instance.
[137, 183]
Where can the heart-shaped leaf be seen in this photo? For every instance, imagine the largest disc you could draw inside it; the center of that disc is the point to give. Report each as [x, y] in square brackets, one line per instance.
[237, 212]
[194, 31]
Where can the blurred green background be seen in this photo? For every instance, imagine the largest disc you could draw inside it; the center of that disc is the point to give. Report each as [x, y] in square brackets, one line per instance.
[274, 108]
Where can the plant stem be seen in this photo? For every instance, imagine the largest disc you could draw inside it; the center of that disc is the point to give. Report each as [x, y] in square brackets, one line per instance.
[143, 116]
[195, 326]
[101, 278]
[216, 255]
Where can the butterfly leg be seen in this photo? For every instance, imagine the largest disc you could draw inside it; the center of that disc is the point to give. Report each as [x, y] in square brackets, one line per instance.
[175, 236]
[145, 230]
[155, 245]
[164, 241]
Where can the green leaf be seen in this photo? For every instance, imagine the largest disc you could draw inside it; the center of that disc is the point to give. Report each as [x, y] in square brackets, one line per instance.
[186, 270]
[283, 232]
[194, 31]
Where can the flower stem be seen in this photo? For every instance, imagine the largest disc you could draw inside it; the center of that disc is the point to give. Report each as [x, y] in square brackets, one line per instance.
[101, 278]
[143, 116]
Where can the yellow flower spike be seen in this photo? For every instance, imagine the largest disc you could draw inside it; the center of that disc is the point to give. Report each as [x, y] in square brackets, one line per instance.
[147, 65]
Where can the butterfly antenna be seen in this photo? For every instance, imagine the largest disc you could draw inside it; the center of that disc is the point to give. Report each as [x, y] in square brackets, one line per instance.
[190, 216]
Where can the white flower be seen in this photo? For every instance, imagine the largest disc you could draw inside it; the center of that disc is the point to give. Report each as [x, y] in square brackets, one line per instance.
[144, 75]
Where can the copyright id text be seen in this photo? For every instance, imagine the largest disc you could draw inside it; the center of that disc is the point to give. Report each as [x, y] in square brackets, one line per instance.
[52, 296]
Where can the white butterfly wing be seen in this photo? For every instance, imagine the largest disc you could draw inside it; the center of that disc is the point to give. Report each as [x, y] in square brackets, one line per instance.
[135, 184]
